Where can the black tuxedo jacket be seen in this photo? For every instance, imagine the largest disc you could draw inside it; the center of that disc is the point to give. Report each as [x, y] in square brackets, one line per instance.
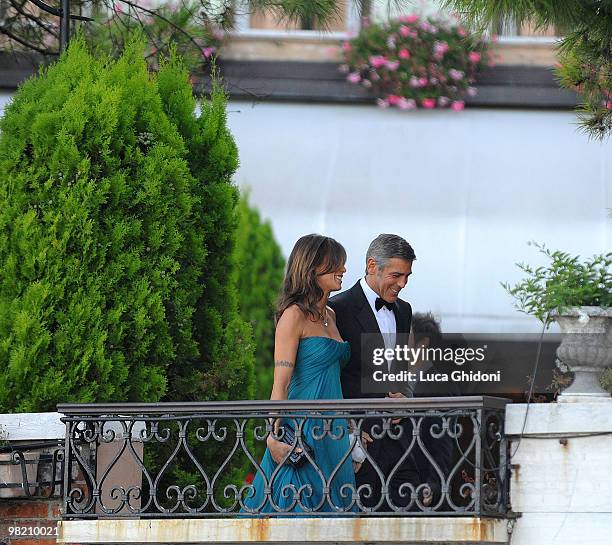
[354, 317]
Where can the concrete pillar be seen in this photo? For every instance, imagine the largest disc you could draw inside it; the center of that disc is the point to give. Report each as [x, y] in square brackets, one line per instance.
[561, 484]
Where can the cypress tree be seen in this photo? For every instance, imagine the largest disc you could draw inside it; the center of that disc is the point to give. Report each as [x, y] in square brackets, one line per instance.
[116, 232]
[117, 225]
[259, 267]
[221, 367]
[95, 198]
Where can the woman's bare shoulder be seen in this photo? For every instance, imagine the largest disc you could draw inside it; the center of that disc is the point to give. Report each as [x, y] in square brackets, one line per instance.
[292, 318]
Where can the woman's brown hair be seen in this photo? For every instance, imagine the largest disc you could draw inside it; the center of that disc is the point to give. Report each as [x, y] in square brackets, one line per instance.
[312, 256]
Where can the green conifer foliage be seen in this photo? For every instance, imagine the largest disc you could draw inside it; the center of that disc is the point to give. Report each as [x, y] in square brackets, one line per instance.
[116, 231]
[223, 370]
[259, 267]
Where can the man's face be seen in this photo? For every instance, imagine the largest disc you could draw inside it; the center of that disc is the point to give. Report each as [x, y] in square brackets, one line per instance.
[391, 279]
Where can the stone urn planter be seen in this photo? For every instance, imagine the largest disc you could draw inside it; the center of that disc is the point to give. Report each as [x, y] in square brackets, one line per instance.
[586, 348]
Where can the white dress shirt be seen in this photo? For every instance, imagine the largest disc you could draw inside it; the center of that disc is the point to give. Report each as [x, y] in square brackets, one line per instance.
[384, 317]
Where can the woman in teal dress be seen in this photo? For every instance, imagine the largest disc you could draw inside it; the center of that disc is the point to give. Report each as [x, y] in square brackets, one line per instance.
[308, 356]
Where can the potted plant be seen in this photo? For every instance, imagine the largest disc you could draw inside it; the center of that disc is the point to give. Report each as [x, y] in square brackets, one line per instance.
[578, 296]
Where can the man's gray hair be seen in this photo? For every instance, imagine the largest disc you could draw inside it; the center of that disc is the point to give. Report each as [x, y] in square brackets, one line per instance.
[385, 247]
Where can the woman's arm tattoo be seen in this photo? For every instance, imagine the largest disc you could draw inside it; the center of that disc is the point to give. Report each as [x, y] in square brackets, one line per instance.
[283, 363]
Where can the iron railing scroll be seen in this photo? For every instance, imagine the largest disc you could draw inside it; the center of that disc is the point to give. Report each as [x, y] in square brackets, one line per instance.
[32, 470]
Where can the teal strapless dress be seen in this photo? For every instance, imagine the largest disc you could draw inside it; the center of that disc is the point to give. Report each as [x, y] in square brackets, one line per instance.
[316, 376]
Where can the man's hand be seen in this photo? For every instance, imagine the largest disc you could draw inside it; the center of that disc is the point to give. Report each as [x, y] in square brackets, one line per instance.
[396, 395]
[365, 439]
[278, 449]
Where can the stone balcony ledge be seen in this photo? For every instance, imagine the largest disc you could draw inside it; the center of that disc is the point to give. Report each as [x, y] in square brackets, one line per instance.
[291, 529]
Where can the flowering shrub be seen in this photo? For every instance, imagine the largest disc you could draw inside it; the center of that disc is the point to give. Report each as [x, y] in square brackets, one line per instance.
[416, 62]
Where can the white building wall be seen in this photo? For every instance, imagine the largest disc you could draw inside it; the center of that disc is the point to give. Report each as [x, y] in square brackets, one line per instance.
[468, 190]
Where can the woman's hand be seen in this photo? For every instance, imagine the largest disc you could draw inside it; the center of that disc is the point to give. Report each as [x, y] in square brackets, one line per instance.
[278, 449]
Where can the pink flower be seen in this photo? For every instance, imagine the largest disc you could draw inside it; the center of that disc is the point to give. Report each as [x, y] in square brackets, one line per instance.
[393, 99]
[457, 105]
[443, 101]
[208, 52]
[428, 27]
[471, 91]
[428, 103]
[378, 61]
[117, 8]
[474, 56]
[403, 54]
[461, 31]
[393, 65]
[406, 104]
[433, 81]
[381, 103]
[407, 32]
[455, 74]
[346, 46]
[417, 82]
[354, 77]
[391, 42]
[439, 49]
[409, 18]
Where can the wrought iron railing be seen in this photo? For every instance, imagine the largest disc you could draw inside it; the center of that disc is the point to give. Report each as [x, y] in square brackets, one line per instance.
[32, 470]
[205, 459]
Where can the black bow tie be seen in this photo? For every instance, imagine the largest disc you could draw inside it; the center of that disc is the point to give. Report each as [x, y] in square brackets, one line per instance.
[380, 303]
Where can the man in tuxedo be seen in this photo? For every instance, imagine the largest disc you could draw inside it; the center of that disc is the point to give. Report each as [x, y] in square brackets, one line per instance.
[370, 315]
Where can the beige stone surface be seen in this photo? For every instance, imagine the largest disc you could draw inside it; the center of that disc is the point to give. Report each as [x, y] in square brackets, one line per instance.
[413, 530]
[325, 47]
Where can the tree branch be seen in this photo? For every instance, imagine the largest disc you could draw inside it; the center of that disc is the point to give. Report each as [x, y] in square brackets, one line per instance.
[18, 39]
